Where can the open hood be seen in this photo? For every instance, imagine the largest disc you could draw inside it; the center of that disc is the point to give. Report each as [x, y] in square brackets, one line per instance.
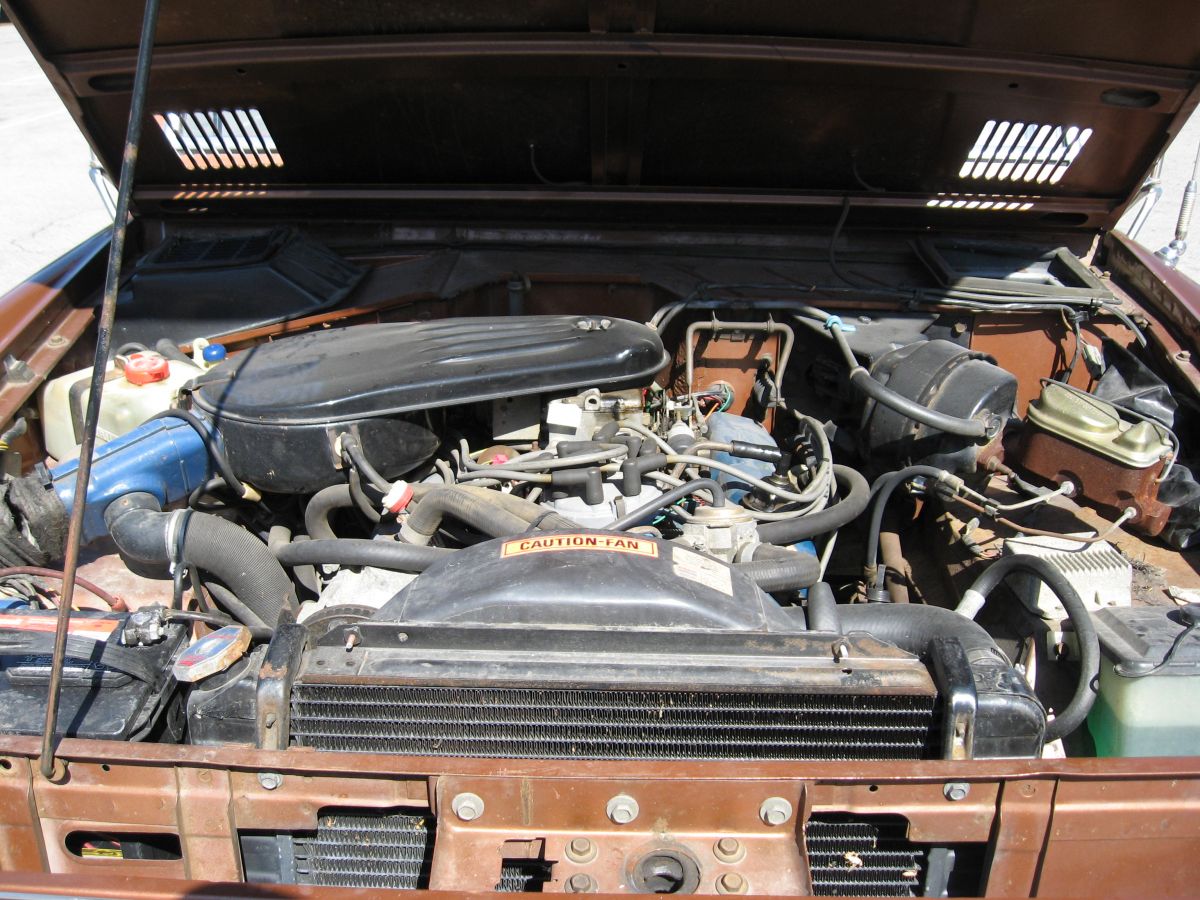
[1013, 114]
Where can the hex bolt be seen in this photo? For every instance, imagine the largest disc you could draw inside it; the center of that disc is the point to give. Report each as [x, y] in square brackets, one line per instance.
[581, 850]
[775, 811]
[467, 806]
[729, 850]
[622, 809]
[270, 780]
[956, 790]
[580, 883]
[731, 883]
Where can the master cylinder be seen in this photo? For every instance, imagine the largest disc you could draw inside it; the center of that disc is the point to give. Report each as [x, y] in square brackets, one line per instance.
[1115, 464]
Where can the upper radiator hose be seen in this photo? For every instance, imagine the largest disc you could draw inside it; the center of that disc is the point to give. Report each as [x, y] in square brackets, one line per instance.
[147, 536]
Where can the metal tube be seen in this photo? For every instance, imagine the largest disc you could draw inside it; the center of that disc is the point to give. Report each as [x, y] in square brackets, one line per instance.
[104, 327]
[768, 327]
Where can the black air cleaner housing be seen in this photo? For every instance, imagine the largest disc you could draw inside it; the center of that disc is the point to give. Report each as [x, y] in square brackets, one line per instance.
[280, 406]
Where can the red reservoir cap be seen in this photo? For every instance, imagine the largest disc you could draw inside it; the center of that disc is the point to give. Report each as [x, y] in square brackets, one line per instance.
[146, 368]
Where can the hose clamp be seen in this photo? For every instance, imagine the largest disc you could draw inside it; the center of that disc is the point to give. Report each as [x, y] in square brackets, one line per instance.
[176, 529]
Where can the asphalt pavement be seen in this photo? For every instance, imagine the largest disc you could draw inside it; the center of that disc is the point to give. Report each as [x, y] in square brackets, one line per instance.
[48, 202]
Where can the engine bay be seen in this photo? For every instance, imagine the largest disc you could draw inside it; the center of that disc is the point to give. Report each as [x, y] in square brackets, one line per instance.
[744, 527]
[551, 519]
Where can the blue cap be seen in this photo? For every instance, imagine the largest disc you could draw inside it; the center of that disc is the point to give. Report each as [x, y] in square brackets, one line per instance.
[213, 353]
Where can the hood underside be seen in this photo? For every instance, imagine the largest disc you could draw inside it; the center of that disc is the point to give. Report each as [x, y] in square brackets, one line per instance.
[994, 113]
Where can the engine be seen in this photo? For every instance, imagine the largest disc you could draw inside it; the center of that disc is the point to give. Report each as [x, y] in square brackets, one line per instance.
[552, 537]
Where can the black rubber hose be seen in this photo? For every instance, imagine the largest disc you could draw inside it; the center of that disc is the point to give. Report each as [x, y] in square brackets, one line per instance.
[913, 627]
[390, 555]
[322, 503]
[167, 348]
[220, 460]
[359, 495]
[228, 601]
[235, 556]
[664, 500]
[532, 513]
[823, 609]
[1073, 715]
[353, 450]
[877, 391]
[216, 620]
[972, 428]
[476, 509]
[885, 485]
[856, 493]
[779, 569]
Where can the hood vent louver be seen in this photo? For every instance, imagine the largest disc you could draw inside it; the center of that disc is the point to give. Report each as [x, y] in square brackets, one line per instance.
[1023, 152]
[226, 139]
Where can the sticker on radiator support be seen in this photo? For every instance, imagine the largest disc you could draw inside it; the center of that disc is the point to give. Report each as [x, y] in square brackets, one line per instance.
[607, 543]
[702, 570]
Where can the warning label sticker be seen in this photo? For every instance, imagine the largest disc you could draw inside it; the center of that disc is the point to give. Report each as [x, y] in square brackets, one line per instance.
[608, 543]
[702, 570]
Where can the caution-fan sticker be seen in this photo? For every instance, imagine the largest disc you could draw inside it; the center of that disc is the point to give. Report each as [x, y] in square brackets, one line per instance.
[605, 543]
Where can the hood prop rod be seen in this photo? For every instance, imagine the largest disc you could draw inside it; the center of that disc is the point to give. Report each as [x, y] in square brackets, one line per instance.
[104, 327]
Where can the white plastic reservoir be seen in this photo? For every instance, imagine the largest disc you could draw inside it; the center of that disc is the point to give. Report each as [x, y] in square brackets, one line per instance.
[146, 385]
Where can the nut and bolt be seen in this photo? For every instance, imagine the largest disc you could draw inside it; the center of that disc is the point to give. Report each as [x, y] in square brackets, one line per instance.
[579, 883]
[353, 639]
[729, 850]
[622, 809]
[1184, 356]
[731, 883]
[581, 850]
[467, 806]
[775, 811]
[956, 790]
[270, 780]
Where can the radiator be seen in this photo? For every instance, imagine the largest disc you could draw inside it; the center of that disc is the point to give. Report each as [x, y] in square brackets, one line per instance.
[544, 723]
[541, 694]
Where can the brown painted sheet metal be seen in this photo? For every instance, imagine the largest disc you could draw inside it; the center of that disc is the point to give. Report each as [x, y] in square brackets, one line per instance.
[1082, 826]
[560, 810]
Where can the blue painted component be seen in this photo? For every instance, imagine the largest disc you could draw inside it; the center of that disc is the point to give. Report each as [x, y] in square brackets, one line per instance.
[806, 547]
[163, 457]
[726, 427]
[213, 353]
[8, 604]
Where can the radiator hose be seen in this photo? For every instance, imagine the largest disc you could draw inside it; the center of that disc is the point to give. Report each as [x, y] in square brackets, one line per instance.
[390, 555]
[1076, 711]
[913, 627]
[149, 539]
[780, 569]
[493, 516]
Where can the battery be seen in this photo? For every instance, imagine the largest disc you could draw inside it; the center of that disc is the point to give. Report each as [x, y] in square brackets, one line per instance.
[110, 691]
